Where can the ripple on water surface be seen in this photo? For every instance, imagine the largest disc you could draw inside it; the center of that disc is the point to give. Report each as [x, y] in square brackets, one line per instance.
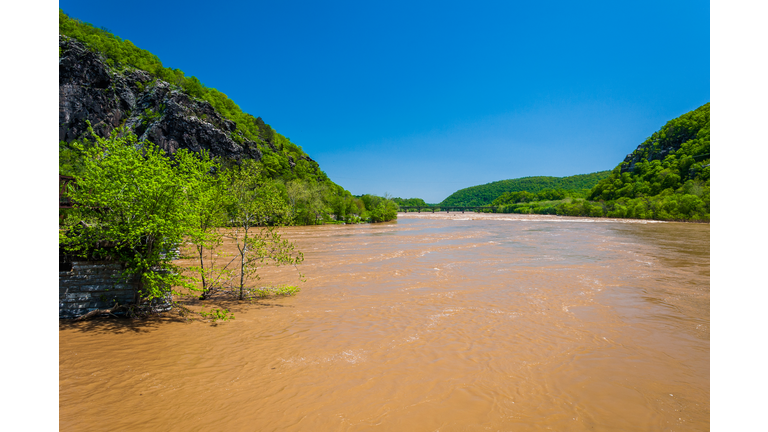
[460, 322]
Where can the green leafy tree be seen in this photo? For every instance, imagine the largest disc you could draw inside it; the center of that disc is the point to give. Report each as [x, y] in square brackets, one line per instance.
[379, 209]
[208, 200]
[485, 194]
[124, 55]
[131, 206]
[308, 201]
[257, 210]
[343, 206]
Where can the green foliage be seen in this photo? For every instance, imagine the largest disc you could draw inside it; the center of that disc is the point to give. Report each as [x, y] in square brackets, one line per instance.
[379, 209]
[208, 199]
[150, 116]
[131, 206]
[485, 194]
[666, 178]
[677, 153]
[279, 291]
[308, 201]
[124, 55]
[216, 314]
[256, 211]
[312, 197]
[70, 157]
[344, 207]
[525, 196]
[410, 202]
[136, 205]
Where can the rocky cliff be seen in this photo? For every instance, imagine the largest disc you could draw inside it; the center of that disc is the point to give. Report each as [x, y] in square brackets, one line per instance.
[90, 88]
[683, 133]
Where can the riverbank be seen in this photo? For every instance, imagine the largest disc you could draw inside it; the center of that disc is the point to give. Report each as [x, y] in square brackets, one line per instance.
[519, 217]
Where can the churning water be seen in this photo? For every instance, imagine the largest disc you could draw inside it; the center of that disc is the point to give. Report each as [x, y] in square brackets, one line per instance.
[455, 322]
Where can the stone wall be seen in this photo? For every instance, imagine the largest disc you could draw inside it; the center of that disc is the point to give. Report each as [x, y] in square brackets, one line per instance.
[91, 285]
[85, 286]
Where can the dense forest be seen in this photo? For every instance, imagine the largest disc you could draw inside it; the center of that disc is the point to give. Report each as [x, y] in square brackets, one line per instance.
[298, 180]
[665, 178]
[485, 194]
[410, 202]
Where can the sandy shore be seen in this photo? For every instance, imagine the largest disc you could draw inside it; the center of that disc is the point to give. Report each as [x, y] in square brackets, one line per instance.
[515, 217]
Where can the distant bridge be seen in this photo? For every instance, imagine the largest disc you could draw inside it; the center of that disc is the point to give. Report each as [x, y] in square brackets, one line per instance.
[446, 209]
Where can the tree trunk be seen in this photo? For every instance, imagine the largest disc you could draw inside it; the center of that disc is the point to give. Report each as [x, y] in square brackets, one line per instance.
[202, 273]
[242, 263]
[242, 272]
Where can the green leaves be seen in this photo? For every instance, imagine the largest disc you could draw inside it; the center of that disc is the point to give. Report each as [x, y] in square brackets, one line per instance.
[666, 160]
[132, 205]
[216, 314]
[485, 194]
[669, 179]
[123, 53]
[256, 211]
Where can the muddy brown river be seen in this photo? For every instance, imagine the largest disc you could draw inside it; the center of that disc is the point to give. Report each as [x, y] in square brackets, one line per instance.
[457, 322]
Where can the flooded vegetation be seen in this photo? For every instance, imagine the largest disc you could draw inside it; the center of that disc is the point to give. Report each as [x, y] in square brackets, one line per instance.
[433, 322]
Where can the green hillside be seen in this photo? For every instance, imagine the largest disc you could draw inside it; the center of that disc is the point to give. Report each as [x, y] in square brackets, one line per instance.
[122, 53]
[665, 178]
[485, 194]
[676, 155]
[279, 157]
[109, 83]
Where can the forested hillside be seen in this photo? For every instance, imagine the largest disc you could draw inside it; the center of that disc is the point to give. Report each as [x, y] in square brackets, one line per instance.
[675, 156]
[108, 85]
[485, 194]
[665, 178]
[119, 84]
[410, 202]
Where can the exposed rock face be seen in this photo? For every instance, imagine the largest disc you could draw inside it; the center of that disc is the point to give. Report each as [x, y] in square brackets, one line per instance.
[89, 89]
[657, 149]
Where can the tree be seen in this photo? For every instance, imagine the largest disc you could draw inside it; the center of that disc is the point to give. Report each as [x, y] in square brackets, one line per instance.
[131, 206]
[307, 201]
[343, 206]
[208, 200]
[381, 209]
[257, 211]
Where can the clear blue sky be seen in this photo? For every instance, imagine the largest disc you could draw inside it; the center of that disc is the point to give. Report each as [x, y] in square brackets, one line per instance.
[420, 99]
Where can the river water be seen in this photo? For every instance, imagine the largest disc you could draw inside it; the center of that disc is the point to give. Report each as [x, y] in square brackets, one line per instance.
[459, 322]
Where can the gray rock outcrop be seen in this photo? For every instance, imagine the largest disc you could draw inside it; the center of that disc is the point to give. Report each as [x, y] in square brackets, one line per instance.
[90, 89]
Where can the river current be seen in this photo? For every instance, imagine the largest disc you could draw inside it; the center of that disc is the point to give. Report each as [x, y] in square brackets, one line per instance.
[459, 322]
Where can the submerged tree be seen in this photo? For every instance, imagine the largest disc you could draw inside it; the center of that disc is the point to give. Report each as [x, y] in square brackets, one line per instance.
[208, 200]
[257, 211]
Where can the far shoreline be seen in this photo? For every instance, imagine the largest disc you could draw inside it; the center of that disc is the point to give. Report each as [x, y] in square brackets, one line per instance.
[470, 215]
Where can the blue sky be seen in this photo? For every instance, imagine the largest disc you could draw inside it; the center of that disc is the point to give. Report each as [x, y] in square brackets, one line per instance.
[420, 99]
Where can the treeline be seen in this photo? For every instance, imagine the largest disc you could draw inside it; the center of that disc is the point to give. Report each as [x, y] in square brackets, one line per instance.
[485, 194]
[312, 197]
[410, 202]
[546, 195]
[123, 55]
[665, 178]
[134, 204]
[676, 155]
[310, 202]
[306, 202]
[662, 207]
